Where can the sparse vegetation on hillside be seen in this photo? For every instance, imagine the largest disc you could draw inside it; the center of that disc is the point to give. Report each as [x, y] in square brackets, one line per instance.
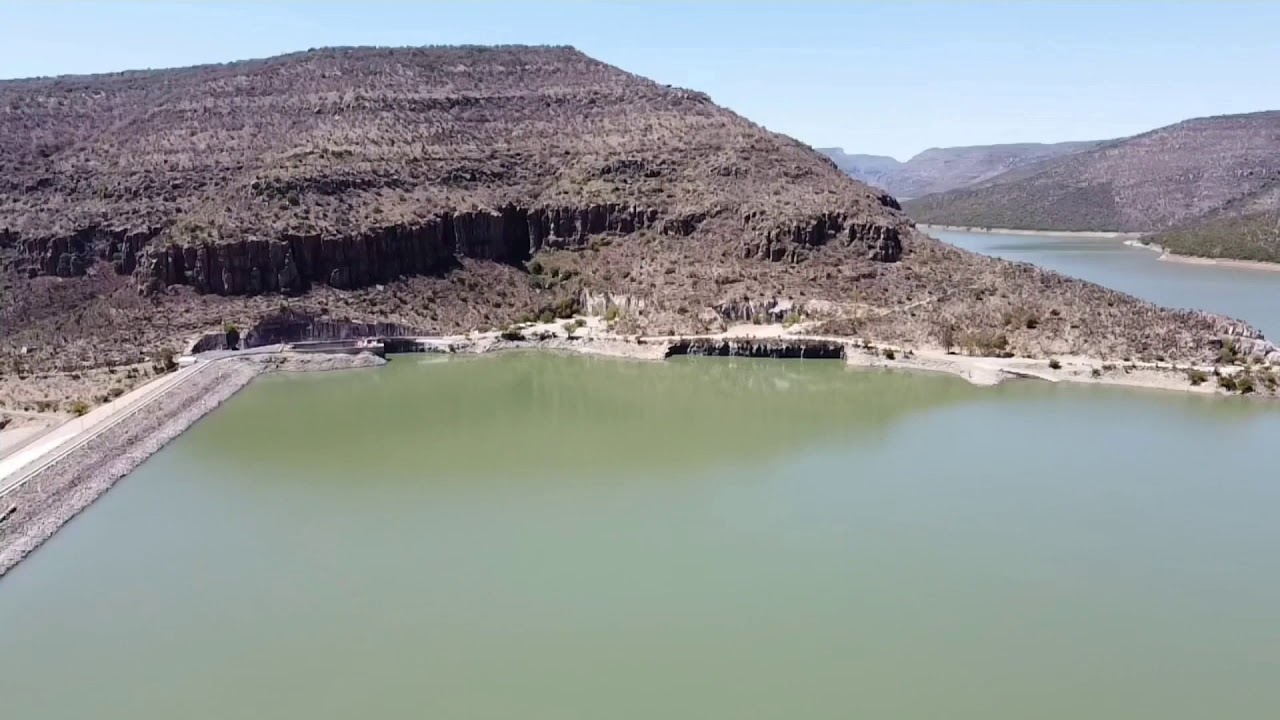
[1150, 182]
[1251, 236]
[369, 144]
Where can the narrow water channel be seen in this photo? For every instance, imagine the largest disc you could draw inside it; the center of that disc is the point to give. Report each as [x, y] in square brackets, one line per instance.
[1249, 294]
[562, 537]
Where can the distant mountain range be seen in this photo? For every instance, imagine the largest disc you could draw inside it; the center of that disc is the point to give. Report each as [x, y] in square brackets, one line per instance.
[941, 169]
[1208, 186]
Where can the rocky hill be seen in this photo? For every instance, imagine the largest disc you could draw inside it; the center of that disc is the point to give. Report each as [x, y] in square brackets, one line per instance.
[1246, 229]
[1172, 177]
[440, 189]
[940, 169]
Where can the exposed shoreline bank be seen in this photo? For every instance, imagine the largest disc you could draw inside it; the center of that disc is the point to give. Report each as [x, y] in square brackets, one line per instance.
[1131, 239]
[1097, 235]
[1169, 256]
[978, 370]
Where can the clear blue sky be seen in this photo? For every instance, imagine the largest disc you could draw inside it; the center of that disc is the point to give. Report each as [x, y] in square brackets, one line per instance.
[891, 78]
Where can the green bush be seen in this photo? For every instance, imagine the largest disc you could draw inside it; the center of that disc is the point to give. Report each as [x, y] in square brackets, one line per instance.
[1228, 354]
[1054, 364]
[233, 336]
[566, 308]
[889, 354]
[612, 314]
[79, 408]
[1268, 380]
[987, 343]
[1197, 377]
[1244, 384]
[1227, 382]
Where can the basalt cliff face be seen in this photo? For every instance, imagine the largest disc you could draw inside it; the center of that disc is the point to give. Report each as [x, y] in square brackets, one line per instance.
[445, 189]
[356, 167]
[291, 263]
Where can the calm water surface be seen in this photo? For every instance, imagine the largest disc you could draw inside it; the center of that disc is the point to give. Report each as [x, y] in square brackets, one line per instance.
[553, 537]
[1249, 294]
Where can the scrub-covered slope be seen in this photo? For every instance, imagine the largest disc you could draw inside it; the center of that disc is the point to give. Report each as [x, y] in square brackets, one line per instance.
[1151, 182]
[440, 189]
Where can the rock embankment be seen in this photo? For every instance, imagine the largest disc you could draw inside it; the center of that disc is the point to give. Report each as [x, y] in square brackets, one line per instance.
[67, 486]
[319, 362]
[59, 491]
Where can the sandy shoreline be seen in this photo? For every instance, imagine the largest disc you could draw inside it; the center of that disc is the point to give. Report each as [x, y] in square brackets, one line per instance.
[1131, 239]
[858, 353]
[1098, 235]
[1168, 256]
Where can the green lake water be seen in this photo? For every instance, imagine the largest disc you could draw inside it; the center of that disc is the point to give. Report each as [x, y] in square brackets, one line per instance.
[1249, 294]
[530, 536]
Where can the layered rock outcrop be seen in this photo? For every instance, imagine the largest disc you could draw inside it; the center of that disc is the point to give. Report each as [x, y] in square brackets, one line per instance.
[72, 255]
[787, 241]
[291, 263]
[759, 348]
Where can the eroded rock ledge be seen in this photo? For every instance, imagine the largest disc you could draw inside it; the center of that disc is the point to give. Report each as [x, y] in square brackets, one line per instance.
[763, 348]
[291, 263]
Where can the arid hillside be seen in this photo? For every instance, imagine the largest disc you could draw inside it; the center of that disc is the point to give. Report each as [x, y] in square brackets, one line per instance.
[436, 189]
[1246, 229]
[1155, 181]
[941, 169]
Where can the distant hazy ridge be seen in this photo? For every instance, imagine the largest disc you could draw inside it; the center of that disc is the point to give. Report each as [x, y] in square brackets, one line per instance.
[1208, 186]
[940, 169]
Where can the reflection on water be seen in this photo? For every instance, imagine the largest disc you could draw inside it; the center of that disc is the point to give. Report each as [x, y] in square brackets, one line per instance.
[549, 414]
[547, 537]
